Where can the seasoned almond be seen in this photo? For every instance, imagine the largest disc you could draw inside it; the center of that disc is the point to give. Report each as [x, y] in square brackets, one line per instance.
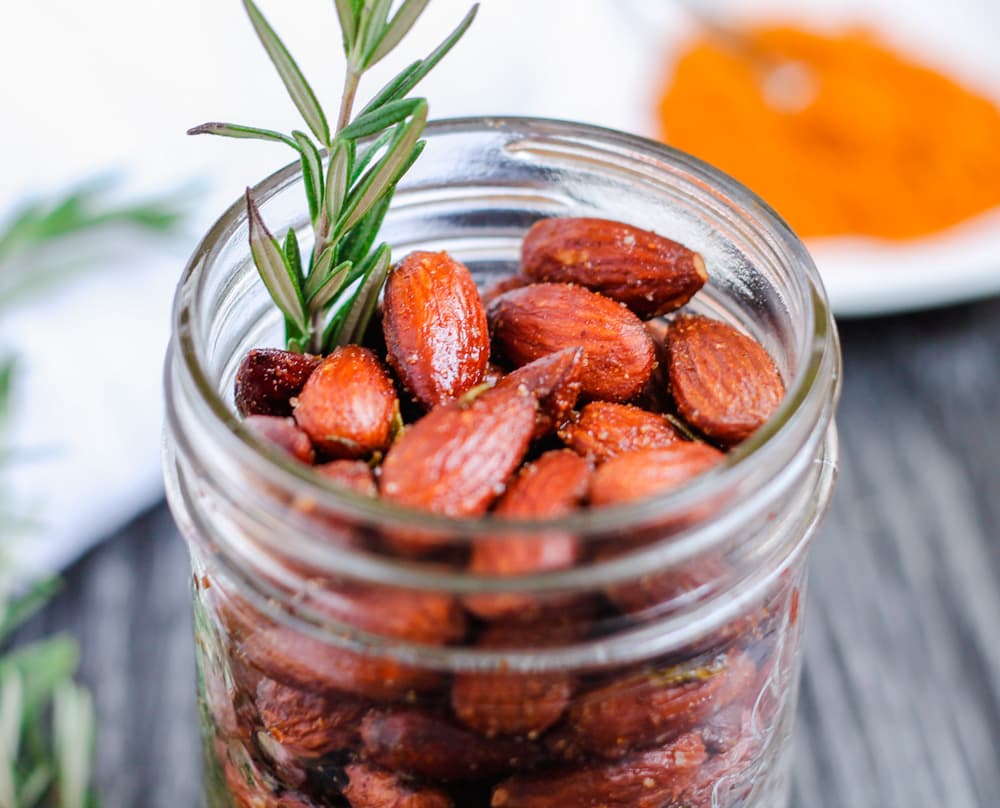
[648, 273]
[371, 787]
[504, 285]
[543, 318]
[268, 379]
[426, 745]
[348, 404]
[435, 327]
[456, 460]
[507, 703]
[555, 380]
[652, 707]
[282, 432]
[308, 724]
[354, 475]
[604, 429]
[655, 778]
[644, 473]
[552, 486]
[723, 382]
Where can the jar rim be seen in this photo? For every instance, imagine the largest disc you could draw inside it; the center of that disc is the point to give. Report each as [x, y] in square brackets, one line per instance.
[804, 410]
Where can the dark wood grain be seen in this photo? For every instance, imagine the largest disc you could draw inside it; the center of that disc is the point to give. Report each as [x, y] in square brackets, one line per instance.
[900, 704]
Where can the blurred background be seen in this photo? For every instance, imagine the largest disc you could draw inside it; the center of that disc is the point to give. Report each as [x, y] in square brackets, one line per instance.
[873, 128]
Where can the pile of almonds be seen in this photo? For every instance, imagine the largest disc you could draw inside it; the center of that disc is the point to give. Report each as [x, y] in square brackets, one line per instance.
[560, 388]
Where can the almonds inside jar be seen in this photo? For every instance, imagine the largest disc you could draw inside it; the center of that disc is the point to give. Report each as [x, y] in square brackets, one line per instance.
[579, 384]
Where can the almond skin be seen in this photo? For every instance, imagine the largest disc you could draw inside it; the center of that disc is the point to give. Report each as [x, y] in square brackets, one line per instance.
[648, 273]
[282, 432]
[552, 486]
[435, 327]
[269, 378]
[354, 475]
[308, 724]
[348, 404]
[652, 707]
[655, 778]
[537, 320]
[603, 429]
[644, 473]
[499, 703]
[723, 382]
[426, 745]
[456, 460]
[371, 787]
[555, 380]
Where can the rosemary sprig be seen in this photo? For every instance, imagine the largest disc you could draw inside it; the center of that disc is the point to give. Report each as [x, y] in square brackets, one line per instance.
[329, 299]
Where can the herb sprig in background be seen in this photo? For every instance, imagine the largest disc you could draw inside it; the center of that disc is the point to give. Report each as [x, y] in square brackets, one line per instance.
[328, 298]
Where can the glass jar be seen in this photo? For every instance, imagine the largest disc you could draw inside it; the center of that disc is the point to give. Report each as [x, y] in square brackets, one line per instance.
[660, 670]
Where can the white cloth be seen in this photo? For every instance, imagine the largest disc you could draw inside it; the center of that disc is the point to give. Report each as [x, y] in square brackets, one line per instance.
[112, 83]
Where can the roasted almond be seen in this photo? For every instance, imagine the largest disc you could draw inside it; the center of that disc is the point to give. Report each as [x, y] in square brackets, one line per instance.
[348, 404]
[308, 724]
[504, 285]
[435, 327]
[371, 787]
[655, 778]
[456, 460]
[268, 378]
[651, 707]
[508, 703]
[648, 273]
[632, 476]
[537, 320]
[282, 432]
[555, 380]
[723, 382]
[603, 429]
[354, 475]
[426, 745]
[552, 486]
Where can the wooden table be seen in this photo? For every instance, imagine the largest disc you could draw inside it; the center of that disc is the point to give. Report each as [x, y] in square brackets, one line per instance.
[900, 702]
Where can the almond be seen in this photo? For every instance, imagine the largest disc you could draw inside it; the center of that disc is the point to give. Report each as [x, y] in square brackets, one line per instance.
[435, 327]
[644, 473]
[723, 382]
[504, 285]
[425, 745]
[371, 787]
[456, 460]
[652, 706]
[555, 380]
[552, 486]
[308, 724]
[354, 475]
[655, 778]
[604, 429]
[504, 703]
[543, 318]
[283, 433]
[268, 378]
[648, 273]
[348, 404]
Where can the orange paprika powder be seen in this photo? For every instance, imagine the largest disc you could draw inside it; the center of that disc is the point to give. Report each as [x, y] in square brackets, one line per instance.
[880, 146]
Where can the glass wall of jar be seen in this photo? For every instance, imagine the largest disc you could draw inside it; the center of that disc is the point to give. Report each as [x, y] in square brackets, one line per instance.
[657, 669]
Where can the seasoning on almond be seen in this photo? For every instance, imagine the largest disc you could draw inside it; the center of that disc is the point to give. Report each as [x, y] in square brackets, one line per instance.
[650, 274]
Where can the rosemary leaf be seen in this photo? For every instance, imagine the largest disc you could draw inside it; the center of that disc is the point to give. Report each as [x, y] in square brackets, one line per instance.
[293, 256]
[312, 174]
[330, 287]
[412, 76]
[348, 15]
[336, 178]
[380, 119]
[73, 733]
[239, 131]
[13, 615]
[358, 243]
[320, 272]
[298, 88]
[279, 278]
[369, 154]
[43, 666]
[402, 22]
[387, 171]
[363, 306]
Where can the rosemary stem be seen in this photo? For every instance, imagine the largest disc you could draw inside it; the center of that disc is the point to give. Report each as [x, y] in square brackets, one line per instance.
[351, 80]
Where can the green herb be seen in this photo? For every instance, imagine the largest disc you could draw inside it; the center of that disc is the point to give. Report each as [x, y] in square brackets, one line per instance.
[79, 212]
[330, 301]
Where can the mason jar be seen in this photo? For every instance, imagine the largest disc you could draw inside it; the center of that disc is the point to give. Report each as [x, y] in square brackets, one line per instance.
[659, 671]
